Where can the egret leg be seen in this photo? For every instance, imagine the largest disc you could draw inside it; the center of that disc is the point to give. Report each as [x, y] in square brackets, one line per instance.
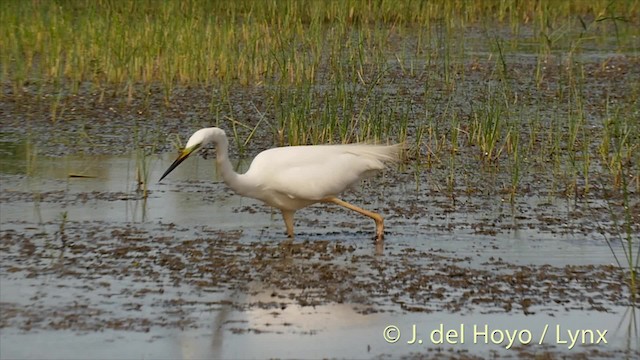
[376, 217]
[288, 221]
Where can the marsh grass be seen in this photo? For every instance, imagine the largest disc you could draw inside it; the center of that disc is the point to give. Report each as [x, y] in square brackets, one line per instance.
[354, 70]
[142, 170]
[63, 217]
[145, 143]
[487, 127]
[247, 41]
[31, 161]
[626, 235]
[515, 162]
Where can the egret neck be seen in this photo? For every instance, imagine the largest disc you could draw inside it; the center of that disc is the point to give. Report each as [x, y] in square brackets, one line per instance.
[235, 181]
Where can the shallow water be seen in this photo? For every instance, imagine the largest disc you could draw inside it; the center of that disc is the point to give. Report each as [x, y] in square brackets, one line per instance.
[92, 270]
[332, 330]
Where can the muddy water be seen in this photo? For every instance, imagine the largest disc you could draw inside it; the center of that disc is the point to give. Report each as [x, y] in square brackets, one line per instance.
[90, 269]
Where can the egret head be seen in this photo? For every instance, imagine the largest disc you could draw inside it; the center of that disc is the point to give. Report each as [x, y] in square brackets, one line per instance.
[196, 141]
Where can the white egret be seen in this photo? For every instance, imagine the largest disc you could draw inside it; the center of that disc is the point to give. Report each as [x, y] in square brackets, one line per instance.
[290, 178]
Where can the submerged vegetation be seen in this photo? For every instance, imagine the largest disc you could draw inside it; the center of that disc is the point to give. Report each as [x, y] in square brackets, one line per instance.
[500, 90]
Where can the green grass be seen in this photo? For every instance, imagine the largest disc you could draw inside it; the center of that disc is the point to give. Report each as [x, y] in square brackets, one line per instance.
[187, 42]
[343, 71]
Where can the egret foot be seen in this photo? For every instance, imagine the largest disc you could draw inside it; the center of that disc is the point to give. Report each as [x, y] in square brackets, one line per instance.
[376, 217]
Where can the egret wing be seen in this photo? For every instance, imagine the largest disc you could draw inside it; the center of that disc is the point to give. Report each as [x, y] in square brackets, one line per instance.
[317, 172]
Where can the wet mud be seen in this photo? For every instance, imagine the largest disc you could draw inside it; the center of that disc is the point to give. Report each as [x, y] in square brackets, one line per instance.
[185, 270]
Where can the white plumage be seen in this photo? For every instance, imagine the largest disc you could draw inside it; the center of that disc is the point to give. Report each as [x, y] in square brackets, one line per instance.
[293, 177]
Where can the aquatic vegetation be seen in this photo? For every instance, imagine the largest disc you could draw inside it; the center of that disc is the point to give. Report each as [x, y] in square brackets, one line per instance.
[61, 234]
[625, 234]
[487, 94]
